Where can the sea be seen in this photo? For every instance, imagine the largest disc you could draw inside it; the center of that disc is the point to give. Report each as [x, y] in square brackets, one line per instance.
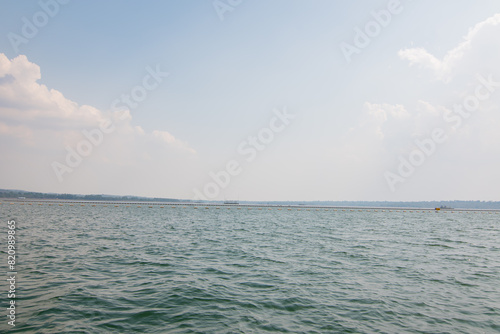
[185, 269]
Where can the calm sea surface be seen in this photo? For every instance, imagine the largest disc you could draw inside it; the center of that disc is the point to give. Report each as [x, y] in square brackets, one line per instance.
[185, 270]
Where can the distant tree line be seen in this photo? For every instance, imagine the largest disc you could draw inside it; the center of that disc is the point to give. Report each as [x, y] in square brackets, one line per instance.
[490, 205]
[37, 195]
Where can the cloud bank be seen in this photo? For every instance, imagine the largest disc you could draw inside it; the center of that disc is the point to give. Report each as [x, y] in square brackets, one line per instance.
[466, 165]
[476, 45]
[39, 125]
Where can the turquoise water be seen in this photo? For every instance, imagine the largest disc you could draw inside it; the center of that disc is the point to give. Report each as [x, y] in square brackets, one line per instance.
[185, 270]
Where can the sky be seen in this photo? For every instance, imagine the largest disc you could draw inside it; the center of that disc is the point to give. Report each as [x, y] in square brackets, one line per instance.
[252, 100]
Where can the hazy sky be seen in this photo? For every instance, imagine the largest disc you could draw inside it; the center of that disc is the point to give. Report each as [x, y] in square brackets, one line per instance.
[252, 99]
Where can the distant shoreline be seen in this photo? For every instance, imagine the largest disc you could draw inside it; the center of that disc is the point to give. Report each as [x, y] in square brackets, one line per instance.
[9, 194]
[62, 202]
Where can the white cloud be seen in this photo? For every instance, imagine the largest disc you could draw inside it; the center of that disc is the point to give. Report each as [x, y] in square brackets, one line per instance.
[465, 55]
[420, 56]
[34, 117]
[470, 156]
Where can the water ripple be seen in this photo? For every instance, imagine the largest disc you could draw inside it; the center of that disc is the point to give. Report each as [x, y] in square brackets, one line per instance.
[131, 270]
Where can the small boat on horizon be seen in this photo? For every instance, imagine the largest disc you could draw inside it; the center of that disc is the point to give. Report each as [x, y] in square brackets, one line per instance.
[444, 207]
